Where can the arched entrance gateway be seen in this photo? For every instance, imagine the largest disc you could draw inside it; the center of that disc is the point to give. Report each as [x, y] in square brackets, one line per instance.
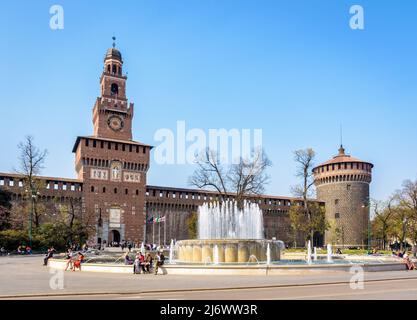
[115, 236]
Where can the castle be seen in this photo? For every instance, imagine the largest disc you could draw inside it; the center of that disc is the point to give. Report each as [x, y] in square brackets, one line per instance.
[112, 194]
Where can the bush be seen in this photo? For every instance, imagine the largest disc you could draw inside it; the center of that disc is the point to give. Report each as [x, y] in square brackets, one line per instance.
[57, 235]
[11, 239]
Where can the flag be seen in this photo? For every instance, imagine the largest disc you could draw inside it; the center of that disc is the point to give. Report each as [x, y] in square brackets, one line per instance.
[159, 219]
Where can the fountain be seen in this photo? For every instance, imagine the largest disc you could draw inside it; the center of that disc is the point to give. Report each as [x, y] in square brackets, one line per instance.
[329, 253]
[309, 252]
[229, 233]
[142, 248]
[216, 254]
[171, 252]
[315, 254]
[268, 255]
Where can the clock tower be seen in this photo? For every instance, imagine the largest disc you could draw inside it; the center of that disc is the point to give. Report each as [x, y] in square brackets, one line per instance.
[112, 113]
[111, 165]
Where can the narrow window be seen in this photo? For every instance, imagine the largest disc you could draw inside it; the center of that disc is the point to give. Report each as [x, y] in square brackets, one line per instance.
[115, 190]
[104, 189]
[126, 191]
[92, 188]
[337, 215]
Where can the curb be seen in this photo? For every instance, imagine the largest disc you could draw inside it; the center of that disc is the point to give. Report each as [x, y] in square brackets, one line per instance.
[70, 294]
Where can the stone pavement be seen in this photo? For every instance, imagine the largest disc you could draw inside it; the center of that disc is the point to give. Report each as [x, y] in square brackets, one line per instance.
[26, 276]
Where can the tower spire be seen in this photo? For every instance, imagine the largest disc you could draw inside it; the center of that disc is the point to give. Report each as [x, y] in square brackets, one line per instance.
[341, 149]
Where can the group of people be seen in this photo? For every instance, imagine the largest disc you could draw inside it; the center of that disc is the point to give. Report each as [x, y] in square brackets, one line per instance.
[24, 249]
[404, 255]
[74, 260]
[145, 263]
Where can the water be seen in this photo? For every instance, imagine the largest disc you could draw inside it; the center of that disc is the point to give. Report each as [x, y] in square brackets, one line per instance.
[268, 255]
[142, 248]
[315, 254]
[225, 221]
[253, 259]
[329, 253]
[171, 251]
[309, 252]
[216, 254]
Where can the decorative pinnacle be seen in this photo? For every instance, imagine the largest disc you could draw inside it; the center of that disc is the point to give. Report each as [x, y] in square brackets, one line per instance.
[341, 150]
[114, 41]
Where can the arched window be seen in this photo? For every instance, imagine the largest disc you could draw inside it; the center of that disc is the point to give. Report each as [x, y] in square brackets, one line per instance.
[115, 190]
[114, 88]
[114, 69]
[92, 188]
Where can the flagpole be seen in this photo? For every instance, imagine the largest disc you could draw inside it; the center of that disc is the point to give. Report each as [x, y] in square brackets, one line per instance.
[165, 232]
[159, 233]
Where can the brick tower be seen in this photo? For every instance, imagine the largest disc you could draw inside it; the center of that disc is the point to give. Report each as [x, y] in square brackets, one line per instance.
[111, 165]
[343, 184]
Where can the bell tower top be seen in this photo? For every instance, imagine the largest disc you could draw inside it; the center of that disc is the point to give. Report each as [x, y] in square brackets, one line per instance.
[112, 114]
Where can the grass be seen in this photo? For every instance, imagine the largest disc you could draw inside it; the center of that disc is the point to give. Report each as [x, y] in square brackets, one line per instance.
[344, 251]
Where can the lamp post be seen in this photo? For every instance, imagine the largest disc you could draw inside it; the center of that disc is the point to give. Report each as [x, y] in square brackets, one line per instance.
[367, 205]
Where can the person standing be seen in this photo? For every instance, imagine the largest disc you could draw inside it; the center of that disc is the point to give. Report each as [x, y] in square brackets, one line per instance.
[159, 261]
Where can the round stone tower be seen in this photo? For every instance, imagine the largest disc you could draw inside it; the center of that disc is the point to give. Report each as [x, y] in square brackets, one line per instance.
[343, 184]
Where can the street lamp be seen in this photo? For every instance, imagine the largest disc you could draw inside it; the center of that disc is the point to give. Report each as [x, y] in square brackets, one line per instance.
[367, 204]
[34, 194]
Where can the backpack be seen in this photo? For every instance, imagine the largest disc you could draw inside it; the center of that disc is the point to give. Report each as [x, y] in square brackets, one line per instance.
[162, 259]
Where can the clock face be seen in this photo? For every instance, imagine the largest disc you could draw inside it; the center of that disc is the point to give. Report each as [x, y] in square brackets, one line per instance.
[115, 123]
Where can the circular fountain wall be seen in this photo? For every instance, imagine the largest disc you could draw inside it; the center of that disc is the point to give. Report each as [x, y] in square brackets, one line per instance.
[228, 250]
[227, 234]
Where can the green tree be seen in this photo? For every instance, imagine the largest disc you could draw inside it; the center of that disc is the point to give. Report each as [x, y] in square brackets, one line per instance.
[308, 223]
[192, 222]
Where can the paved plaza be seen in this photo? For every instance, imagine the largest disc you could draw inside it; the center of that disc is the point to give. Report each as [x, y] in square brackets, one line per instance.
[26, 278]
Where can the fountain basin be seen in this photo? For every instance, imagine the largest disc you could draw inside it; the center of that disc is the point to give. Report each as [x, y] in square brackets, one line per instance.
[227, 250]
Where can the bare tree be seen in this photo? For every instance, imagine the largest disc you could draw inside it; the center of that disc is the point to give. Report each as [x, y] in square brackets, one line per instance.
[247, 178]
[305, 162]
[31, 161]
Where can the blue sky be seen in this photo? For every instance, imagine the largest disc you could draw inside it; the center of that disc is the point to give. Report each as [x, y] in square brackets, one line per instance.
[292, 68]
